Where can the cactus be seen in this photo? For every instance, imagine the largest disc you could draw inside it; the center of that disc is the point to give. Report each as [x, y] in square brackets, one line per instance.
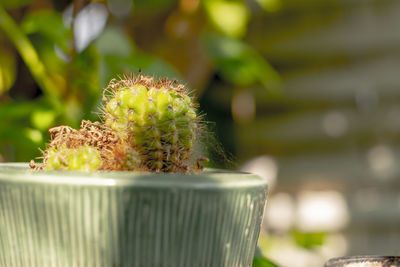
[93, 147]
[156, 118]
[83, 158]
[148, 125]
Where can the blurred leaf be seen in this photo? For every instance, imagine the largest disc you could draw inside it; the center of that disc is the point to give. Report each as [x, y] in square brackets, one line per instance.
[270, 5]
[114, 41]
[159, 68]
[120, 8]
[112, 66]
[33, 135]
[240, 63]
[230, 17]
[42, 119]
[89, 24]
[19, 143]
[154, 5]
[76, 75]
[263, 262]
[7, 69]
[30, 57]
[54, 59]
[14, 3]
[85, 74]
[49, 24]
[15, 110]
[309, 240]
[73, 112]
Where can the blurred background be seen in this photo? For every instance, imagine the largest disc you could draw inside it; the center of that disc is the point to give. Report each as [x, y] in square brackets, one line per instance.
[303, 93]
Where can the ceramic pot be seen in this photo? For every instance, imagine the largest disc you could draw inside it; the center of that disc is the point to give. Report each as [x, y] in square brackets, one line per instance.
[364, 261]
[54, 218]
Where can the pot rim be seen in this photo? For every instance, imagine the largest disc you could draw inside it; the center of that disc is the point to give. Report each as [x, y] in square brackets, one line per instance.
[362, 259]
[19, 172]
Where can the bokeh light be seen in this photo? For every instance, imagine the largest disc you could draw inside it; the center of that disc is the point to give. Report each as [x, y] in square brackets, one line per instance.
[320, 211]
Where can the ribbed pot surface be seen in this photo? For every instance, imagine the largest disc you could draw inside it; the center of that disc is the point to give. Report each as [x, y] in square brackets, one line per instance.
[128, 218]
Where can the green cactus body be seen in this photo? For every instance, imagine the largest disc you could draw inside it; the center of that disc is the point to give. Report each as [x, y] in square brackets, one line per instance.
[84, 158]
[157, 119]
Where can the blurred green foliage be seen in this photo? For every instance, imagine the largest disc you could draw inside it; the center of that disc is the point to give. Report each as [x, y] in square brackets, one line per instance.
[47, 80]
[263, 262]
[260, 261]
[309, 240]
[56, 58]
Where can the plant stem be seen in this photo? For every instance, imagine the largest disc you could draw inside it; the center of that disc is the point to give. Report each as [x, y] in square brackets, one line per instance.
[30, 57]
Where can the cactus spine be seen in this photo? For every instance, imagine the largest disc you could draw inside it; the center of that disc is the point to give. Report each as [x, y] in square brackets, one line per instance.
[148, 125]
[83, 158]
[156, 118]
[93, 147]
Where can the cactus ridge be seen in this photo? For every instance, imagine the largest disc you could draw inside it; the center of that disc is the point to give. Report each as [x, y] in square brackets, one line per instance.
[148, 125]
[83, 158]
[156, 117]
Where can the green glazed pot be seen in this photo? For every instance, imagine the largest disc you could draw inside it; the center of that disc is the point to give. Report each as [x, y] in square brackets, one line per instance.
[128, 219]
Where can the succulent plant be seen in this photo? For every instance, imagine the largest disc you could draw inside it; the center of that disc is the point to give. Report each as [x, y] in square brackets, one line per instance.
[156, 118]
[83, 158]
[93, 147]
[148, 125]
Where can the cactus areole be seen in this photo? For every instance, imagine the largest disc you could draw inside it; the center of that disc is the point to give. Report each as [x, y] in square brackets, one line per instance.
[156, 118]
[148, 125]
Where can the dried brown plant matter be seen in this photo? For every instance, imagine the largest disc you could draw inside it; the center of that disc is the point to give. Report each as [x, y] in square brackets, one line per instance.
[115, 154]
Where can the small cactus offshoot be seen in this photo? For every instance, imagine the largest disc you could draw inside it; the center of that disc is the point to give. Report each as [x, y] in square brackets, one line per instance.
[83, 158]
[156, 118]
[93, 147]
[148, 125]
